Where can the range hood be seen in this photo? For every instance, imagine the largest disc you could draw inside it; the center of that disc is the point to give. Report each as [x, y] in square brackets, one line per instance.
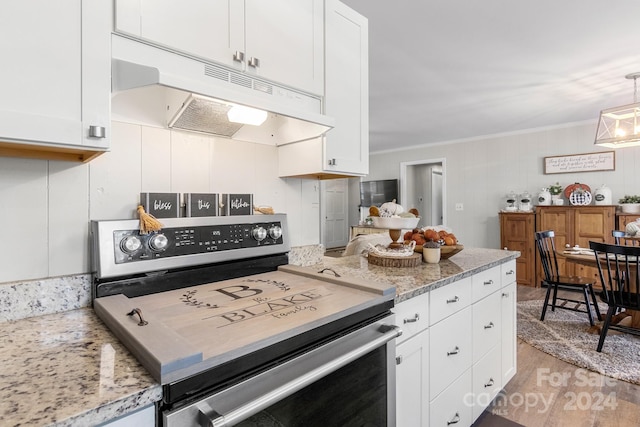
[194, 95]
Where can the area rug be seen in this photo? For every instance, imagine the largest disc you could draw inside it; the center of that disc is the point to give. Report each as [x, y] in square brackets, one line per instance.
[564, 334]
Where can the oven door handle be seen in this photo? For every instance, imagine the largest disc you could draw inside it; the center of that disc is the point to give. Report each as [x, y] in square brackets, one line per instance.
[208, 417]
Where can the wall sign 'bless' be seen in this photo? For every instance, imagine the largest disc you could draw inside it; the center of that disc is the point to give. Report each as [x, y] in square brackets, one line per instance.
[161, 205]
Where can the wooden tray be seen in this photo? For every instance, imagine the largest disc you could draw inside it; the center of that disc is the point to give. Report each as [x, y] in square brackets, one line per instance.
[413, 260]
[445, 251]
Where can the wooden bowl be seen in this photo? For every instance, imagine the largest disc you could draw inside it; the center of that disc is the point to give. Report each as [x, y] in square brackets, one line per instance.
[445, 251]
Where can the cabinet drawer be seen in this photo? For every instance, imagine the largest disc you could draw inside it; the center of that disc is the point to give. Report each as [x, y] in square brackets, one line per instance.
[449, 299]
[450, 407]
[412, 316]
[485, 283]
[450, 352]
[508, 271]
[486, 380]
[487, 324]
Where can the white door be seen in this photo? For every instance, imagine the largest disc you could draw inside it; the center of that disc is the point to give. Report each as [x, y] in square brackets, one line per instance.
[333, 208]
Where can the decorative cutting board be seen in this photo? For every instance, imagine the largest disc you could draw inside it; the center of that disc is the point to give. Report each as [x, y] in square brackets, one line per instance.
[199, 327]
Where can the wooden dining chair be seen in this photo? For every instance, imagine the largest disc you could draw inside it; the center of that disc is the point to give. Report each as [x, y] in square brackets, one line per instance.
[618, 269]
[618, 236]
[545, 242]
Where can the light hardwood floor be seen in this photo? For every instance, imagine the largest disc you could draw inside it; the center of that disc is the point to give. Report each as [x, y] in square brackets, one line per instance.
[549, 392]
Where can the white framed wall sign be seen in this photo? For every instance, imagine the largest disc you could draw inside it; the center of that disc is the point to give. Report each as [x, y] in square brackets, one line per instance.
[588, 162]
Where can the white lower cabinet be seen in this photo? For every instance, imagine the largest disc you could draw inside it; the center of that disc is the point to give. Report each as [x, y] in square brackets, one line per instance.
[487, 381]
[145, 417]
[458, 349]
[412, 381]
[449, 407]
[450, 350]
[509, 332]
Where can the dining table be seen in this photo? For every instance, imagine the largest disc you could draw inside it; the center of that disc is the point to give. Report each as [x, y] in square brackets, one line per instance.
[587, 258]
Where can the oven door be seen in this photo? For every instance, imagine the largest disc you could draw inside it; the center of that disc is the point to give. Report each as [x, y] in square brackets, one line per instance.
[349, 381]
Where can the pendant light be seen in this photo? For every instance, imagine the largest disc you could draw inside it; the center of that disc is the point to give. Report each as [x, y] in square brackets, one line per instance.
[620, 126]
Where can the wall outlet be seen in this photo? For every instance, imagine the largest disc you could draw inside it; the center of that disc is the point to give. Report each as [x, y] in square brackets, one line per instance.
[459, 207]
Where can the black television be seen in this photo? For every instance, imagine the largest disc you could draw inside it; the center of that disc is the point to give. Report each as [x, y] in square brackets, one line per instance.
[375, 193]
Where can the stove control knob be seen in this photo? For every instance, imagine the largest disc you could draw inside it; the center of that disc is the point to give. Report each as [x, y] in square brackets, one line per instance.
[130, 244]
[275, 232]
[159, 242]
[259, 233]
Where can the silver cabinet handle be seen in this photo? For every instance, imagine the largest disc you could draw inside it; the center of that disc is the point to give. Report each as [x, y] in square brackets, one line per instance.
[505, 294]
[253, 62]
[399, 359]
[454, 351]
[488, 282]
[489, 383]
[209, 417]
[415, 319]
[238, 56]
[489, 326]
[510, 272]
[332, 162]
[97, 132]
[452, 300]
[454, 420]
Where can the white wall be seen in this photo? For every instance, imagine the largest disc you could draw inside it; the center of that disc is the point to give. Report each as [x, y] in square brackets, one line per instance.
[481, 172]
[46, 206]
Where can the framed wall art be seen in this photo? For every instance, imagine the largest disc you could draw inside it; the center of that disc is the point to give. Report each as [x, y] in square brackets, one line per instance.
[589, 162]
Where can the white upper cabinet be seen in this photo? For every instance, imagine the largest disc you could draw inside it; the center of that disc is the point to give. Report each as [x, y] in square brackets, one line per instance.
[347, 90]
[277, 40]
[55, 79]
[344, 150]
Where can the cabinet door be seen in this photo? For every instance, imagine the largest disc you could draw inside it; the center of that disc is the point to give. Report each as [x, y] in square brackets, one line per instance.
[450, 350]
[509, 338]
[593, 223]
[453, 407]
[517, 234]
[560, 220]
[486, 381]
[346, 90]
[412, 381]
[486, 327]
[212, 30]
[56, 60]
[286, 37]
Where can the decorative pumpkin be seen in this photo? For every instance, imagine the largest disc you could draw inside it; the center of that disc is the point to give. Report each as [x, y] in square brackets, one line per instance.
[632, 228]
[392, 208]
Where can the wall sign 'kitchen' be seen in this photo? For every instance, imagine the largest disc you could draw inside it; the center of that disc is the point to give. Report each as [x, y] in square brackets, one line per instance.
[236, 204]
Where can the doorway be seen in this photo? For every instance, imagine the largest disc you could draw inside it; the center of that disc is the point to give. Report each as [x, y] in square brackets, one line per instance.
[422, 185]
[334, 228]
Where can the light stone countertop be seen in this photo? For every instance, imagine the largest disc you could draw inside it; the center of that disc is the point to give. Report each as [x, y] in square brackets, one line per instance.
[67, 369]
[413, 281]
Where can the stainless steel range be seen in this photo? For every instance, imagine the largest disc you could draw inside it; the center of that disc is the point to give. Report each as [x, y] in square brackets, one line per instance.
[235, 335]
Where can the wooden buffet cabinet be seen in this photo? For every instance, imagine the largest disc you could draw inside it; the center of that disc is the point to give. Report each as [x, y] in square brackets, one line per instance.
[573, 225]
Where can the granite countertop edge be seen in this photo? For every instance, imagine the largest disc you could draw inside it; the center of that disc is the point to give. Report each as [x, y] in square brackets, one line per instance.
[411, 282]
[67, 369]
